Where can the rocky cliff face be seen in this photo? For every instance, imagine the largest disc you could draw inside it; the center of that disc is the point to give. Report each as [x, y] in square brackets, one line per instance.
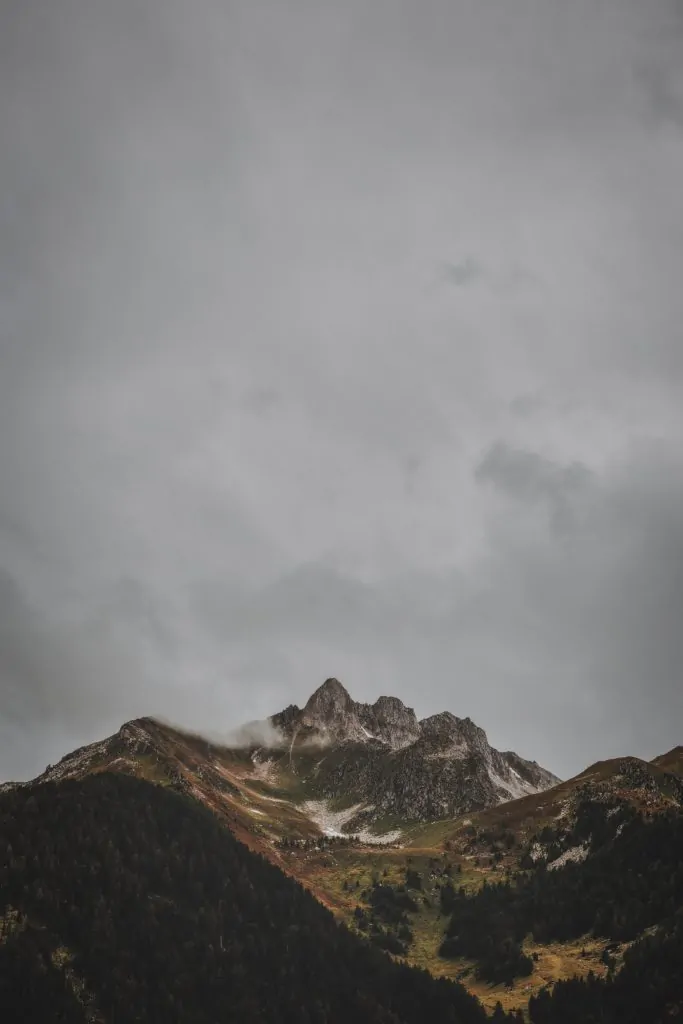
[380, 756]
[331, 716]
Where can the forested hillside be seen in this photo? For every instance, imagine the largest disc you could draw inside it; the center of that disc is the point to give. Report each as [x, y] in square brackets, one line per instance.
[123, 901]
[647, 990]
[629, 887]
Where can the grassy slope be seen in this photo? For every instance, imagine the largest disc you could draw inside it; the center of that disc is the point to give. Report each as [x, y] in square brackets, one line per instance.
[328, 871]
[672, 761]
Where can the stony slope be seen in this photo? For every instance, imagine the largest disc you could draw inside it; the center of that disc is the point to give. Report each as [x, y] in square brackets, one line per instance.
[386, 762]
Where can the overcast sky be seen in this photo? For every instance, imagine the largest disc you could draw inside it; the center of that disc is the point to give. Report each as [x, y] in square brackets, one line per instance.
[342, 338]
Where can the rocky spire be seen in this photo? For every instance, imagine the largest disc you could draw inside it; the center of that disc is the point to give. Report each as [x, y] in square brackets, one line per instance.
[329, 698]
[332, 713]
[390, 721]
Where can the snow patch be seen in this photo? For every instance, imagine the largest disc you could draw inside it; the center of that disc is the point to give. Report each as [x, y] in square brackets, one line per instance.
[515, 787]
[366, 836]
[330, 822]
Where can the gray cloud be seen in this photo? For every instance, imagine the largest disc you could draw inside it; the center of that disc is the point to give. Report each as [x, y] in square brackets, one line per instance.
[460, 274]
[531, 478]
[245, 443]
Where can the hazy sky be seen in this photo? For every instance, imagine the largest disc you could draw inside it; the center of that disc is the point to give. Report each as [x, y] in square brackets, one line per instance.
[342, 339]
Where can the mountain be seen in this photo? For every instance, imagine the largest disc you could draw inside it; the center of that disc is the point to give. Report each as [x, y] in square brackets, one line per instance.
[306, 789]
[645, 786]
[382, 762]
[335, 766]
[122, 898]
[331, 716]
[246, 795]
[124, 901]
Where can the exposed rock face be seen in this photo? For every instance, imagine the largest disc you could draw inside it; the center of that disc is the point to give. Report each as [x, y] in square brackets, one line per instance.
[380, 755]
[331, 716]
[391, 722]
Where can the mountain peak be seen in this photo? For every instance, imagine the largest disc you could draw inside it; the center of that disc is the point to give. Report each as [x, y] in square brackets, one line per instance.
[331, 696]
[387, 760]
[390, 721]
[333, 686]
[331, 713]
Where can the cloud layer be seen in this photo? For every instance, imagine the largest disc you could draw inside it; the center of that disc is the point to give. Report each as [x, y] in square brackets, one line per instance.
[342, 340]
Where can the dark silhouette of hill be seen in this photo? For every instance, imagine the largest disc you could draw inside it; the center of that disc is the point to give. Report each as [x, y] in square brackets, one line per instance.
[124, 901]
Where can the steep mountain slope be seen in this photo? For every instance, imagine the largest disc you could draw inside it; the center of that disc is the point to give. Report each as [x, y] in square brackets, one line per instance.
[254, 800]
[162, 915]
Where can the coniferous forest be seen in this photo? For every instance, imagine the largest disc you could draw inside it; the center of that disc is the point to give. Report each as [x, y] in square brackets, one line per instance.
[629, 883]
[632, 883]
[165, 917]
[123, 901]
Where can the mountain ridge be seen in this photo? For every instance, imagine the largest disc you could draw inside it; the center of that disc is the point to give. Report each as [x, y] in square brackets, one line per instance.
[346, 766]
[391, 763]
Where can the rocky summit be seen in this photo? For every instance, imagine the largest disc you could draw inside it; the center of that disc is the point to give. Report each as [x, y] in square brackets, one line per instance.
[331, 716]
[383, 761]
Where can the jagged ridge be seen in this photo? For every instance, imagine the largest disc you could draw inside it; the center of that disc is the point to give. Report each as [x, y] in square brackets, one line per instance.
[331, 716]
[381, 756]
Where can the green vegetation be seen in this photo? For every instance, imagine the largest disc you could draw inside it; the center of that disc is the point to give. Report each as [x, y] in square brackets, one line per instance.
[632, 880]
[386, 919]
